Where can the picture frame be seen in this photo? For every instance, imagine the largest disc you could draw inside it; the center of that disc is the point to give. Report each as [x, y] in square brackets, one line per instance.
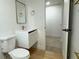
[20, 12]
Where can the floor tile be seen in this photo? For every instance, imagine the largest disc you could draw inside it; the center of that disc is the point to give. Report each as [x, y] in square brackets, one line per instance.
[40, 54]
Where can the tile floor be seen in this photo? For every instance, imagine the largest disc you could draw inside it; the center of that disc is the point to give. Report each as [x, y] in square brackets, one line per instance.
[40, 54]
[53, 43]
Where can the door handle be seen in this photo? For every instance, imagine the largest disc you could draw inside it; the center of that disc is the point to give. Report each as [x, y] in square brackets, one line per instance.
[66, 30]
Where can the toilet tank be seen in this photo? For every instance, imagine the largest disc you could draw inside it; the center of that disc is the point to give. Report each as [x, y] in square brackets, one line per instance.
[8, 43]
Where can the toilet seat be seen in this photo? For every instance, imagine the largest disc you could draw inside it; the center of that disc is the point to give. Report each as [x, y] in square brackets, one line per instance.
[19, 53]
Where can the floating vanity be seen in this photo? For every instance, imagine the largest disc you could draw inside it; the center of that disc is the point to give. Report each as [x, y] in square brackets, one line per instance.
[26, 39]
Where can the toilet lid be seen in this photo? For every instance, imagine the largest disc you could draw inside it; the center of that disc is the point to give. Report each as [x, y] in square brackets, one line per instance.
[19, 52]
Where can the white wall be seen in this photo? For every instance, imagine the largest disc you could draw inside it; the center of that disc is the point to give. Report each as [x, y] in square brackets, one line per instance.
[8, 23]
[7, 18]
[30, 17]
[53, 20]
[39, 19]
[75, 32]
[30, 24]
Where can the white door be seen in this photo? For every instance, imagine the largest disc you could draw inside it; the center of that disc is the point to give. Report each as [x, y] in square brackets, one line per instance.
[65, 27]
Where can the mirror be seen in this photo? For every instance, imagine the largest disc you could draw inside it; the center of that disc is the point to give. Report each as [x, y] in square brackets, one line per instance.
[20, 12]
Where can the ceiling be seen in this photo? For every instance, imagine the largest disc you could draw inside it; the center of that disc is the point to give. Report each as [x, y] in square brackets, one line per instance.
[54, 2]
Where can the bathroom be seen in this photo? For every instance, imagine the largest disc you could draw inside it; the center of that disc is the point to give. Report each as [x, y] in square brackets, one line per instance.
[9, 24]
[33, 26]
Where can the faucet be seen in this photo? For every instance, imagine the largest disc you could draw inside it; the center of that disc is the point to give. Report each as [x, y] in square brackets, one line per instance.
[23, 27]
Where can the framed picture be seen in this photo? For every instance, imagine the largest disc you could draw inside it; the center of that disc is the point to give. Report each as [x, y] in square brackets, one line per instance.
[20, 12]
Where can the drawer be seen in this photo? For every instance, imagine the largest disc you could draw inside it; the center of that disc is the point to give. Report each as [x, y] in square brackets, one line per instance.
[33, 38]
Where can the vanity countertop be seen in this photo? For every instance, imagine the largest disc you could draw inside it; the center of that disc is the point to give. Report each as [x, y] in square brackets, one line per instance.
[11, 36]
[29, 31]
[32, 31]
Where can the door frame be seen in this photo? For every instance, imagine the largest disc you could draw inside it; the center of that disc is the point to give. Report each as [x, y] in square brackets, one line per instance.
[70, 27]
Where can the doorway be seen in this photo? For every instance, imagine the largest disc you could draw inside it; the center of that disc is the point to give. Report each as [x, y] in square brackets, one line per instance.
[58, 26]
[54, 11]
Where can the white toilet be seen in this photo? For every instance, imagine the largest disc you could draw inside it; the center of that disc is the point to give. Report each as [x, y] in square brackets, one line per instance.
[8, 46]
[19, 53]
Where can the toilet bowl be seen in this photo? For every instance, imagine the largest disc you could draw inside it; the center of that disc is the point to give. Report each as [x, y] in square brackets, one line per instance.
[8, 46]
[19, 53]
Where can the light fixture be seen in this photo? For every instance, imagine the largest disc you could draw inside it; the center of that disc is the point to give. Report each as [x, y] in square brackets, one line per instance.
[48, 3]
[33, 12]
